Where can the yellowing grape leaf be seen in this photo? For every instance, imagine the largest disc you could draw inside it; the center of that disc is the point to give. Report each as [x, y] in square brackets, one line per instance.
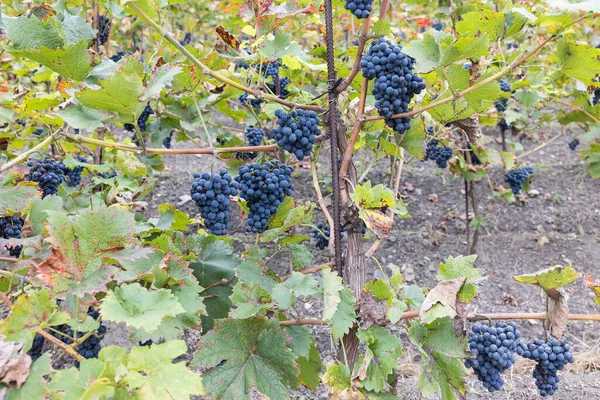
[551, 278]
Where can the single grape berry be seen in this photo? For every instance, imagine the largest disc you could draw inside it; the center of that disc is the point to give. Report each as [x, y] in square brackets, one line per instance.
[211, 193]
[359, 8]
[493, 349]
[321, 239]
[517, 177]
[297, 132]
[573, 144]
[395, 82]
[120, 54]
[440, 155]
[47, 173]
[437, 26]
[551, 357]
[254, 137]
[263, 187]
[73, 175]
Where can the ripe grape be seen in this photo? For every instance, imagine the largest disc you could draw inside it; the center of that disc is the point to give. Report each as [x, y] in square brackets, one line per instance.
[36, 348]
[167, 140]
[142, 120]
[395, 83]
[494, 350]
[517, 177]
[430, 130]
[504, 86]
[10, 228]
[467, 66]
[264, 187]
[255, 102]
[502, 104]
[38, 131]
[254, 137]
[440, 155]
[120, 54]
[211, 193]
[297, 132]
[551, 357]
[437, 25]
[47, 173]
[596, 99]
[187, 39]
[321, 239]
[104, 24]
[573, 144]
[73, 176]
[283, 92]
[360, 8]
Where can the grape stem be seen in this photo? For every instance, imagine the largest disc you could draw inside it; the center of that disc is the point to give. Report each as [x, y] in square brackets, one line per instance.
[596, 120]
[310, 270]
[9, 274]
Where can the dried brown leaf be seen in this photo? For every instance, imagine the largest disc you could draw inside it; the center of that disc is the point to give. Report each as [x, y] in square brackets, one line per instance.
[445, 293]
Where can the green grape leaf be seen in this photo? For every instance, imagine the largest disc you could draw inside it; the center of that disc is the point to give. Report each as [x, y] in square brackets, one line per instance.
[80, 117]
[345, 315]
[310, 368]
[17, 198]
[332, 286]
[72, 62]
[426, 52]
[154, 375]
[516, 20]
[161, 78]
[592, 156]
[215, 263]
[281, 46]
[337, 377]
[33, 310]
[458, 267]
[465, 47]
[37, 211]
[383, 350]
[381, 27]
[85, 382]
[295, 216]
[381, 289]
[242, 354]
[368, 196]
[76, 29]
[482, 22]
[579, 61]
[550, 279]
[31, 33]
[35, 385]
[553, 23]
[119, 93]
[130, 164]
[139, 307]
[301, 256]
[413, 141]
[296, 285]
[250, 299]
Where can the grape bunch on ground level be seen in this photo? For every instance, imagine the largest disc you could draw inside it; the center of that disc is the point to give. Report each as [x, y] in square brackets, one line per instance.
[551, 357]
[494, 350]
[321, 235]
[73, 175]
[104, 24]
[297, 132]
[48, 174]
[502, 104]
[120, 54]
[359, 8]
[211, 193]
[10, 228]
[36, 347]
[573, 144]
[440, 155]
[517, 177]
[142, 119]
[254, 137]
[395, 83]
[264, 188]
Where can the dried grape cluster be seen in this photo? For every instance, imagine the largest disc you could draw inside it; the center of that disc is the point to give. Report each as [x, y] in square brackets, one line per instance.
[494, 349]
[10, 228]
[517, 177]
[395, 83]
[104, 24]
[254, 137]
[502, 104]
[264, 187]
[211, 193]
[48, 173]
[440, 155]
[359, 8]
[573, 144]
[142, 120]
[297, 132]
[551, 357]
[73, 175]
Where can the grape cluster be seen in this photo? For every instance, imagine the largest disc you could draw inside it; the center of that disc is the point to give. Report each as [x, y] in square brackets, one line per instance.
[10, 228]
[167, 140]
[504, 86]
[573, 144]
[254, 137]
[255, 102]
[211, 193]
[36, 348]
[517, 177]
[395, 83]
[38, 131]
[271, 72]
[440, 155]
[91, 346]
[321, 239]
[104, 24]
[147, 343]
[502, 104]
[120, 54]
[360, 8]
[283, 92]
[467, 66]
[269, 69]
[142, 120]
[429, 130]
[187, 39]
[437, 25]
[551, 357]
[297, 131]
[596, 99]
[48, 174]
[494, 349]
[474, 159]
[73, 176]
[264, 188]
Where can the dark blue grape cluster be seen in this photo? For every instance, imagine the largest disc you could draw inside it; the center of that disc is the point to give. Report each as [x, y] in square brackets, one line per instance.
[395, 83]
[167, 140]
[283, 92]
[264, 187]
[73, 176]
[38, 131]
[494, 349]
[573, 144]
[359, 8]
[504, 86]
[255, 102]
[297, 132]
[36, 348]
[147, 343]
[187, 39]
[440, 155]
[321, 235]
[517, 177]
[241, 64]
[120, 54]
[211, 193]
[10, 228]
[91, 346]
[48, 174]
[254, 137]
[474, 159]
[269, 69]
[142, 120]
[596, 98]
[437, 26]
[551, 357]
[104, 24]
[502, 104]
[467, 66]
[429, 130]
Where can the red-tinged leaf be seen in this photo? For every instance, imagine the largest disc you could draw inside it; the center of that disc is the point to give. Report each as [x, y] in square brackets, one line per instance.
[43, 12]
[228, 38]
[63, 86]
[16, 198]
